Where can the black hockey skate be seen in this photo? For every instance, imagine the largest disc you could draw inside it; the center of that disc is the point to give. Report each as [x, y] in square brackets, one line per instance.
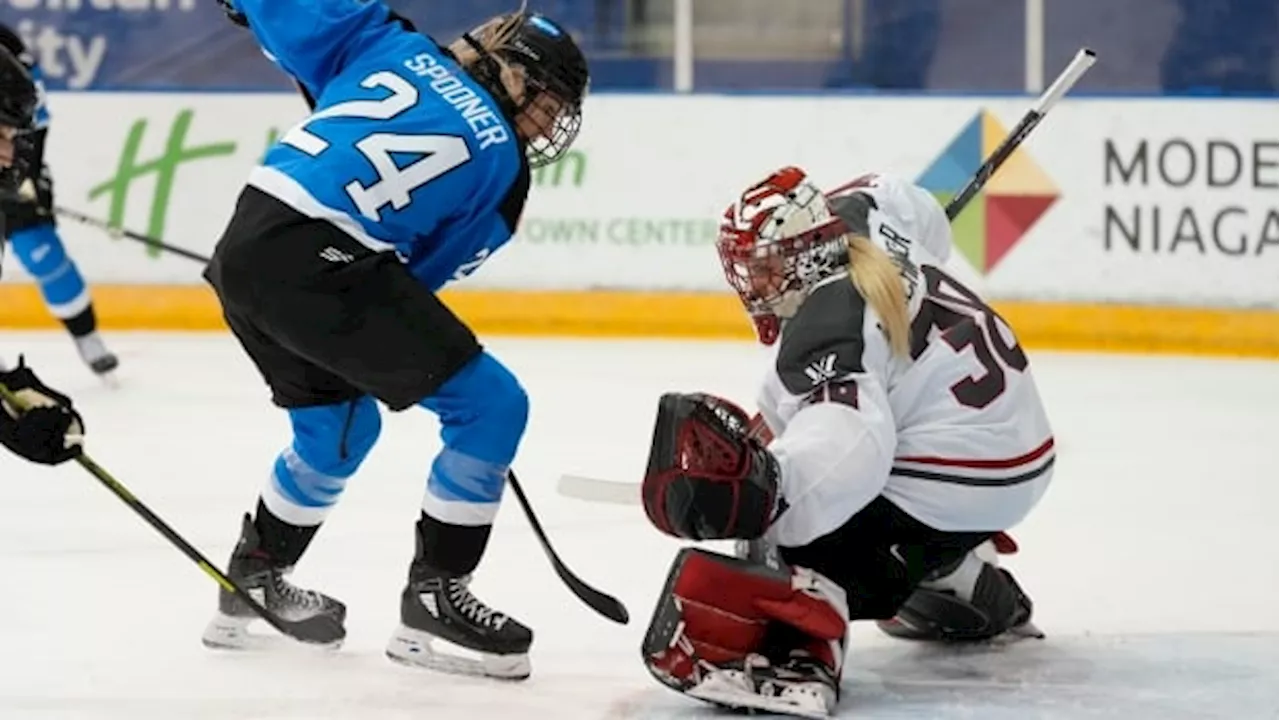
[254, 571]
[444, 627]
[95, 354]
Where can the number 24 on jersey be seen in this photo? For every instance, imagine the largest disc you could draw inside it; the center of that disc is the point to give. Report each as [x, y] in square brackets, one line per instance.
[438, 153]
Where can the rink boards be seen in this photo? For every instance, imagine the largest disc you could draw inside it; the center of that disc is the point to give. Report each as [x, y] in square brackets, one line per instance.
[1055, 326]
[1121, 224]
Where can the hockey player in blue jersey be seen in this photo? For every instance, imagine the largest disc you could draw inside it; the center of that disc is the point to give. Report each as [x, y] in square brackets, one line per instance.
[412, 169]
[33, 234]
[50, 431]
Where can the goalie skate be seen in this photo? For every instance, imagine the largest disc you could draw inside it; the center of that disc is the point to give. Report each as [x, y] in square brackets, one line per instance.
[799, 688]
[972, 600]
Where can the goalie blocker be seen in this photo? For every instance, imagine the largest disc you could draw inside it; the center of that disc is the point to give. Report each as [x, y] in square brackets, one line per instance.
[769, 633]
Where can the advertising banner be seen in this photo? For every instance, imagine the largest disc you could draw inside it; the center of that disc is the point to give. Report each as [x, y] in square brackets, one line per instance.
[1147, 201]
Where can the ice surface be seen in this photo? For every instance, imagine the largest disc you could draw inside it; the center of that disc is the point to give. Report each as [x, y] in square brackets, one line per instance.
[1152, 560]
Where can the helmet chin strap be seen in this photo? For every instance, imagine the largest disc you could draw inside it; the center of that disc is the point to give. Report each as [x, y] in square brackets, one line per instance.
[788, 304]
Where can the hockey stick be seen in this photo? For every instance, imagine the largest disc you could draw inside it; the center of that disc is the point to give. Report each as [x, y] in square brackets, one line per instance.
[606, 605]
[121, 232]
[608, 492]
[597, 490]
[1083, 60]
[321, 630]
[623, 493]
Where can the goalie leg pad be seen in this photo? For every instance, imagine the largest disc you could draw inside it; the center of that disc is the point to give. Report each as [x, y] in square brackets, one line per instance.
[720, 623]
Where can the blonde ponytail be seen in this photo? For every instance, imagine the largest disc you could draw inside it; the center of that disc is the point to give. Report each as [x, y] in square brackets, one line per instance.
[877, 279]
[494, 35]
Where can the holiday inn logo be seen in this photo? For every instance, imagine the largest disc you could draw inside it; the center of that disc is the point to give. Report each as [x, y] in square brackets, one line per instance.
[1003, 211]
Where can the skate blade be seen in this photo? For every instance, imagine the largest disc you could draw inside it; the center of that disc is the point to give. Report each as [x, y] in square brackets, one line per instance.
[733, 695]
[1025, 631]
[419, 649]
[897, 628]
[228, 632]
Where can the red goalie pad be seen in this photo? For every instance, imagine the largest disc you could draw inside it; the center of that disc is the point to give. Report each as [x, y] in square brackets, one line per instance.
[715, 610]
[707, 479]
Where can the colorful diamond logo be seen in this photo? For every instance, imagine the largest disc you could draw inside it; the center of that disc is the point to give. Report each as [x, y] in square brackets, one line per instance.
[1003, 211]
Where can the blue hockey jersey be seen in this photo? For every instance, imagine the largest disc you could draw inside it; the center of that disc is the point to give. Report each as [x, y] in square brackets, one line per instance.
[403, 151]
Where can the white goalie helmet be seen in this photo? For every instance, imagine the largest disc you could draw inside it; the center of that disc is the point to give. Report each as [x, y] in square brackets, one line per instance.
[777, 241]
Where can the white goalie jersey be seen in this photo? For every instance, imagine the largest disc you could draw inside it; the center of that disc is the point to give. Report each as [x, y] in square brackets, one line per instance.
[955, 435]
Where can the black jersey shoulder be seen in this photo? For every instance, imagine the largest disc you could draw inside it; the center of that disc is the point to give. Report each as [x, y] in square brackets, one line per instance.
[823, 340]
[854, 210]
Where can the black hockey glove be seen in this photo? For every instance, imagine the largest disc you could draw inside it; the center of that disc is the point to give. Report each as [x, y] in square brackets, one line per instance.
[11, 177]
[28, 203]
[49, 431]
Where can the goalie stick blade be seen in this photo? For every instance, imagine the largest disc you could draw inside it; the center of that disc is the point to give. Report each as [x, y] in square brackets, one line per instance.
[592, 489]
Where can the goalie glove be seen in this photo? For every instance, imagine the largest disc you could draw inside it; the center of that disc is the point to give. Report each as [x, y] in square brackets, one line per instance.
[707, 479]
[47, 430]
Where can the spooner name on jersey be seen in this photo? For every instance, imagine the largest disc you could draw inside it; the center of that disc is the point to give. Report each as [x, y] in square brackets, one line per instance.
[487, 125]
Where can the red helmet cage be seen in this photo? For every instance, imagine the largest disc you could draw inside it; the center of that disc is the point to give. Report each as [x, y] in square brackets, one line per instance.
[779, 237]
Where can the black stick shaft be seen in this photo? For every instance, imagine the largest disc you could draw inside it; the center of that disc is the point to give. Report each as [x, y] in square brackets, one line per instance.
[606, 605]
[317, 632]
[146, 240]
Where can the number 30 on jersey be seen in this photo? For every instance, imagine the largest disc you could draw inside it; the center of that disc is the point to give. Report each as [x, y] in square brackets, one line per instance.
[439, 153]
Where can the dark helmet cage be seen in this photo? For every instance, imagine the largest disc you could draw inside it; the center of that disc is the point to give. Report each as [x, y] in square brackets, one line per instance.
[553, 64]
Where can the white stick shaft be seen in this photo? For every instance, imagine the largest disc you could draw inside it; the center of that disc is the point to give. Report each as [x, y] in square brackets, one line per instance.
[1079, 64]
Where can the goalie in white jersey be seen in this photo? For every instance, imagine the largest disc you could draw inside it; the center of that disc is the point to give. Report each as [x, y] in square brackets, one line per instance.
[900, 432]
